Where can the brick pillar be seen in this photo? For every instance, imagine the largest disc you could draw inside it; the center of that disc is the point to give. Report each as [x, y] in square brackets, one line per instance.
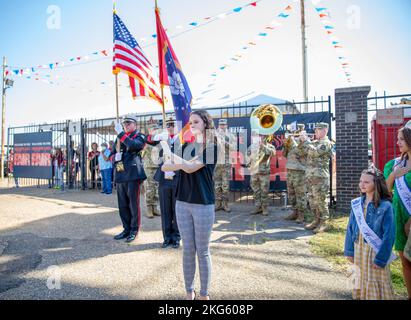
[351, 123]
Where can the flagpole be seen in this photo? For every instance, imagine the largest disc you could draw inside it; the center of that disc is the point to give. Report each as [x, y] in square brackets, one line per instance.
[117, 104]
[163, 107]
[118, 147]
[162, 89]
[304, 56]
[3, 119]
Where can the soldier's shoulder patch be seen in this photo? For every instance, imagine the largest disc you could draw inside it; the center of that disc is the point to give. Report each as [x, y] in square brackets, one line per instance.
[323, 147]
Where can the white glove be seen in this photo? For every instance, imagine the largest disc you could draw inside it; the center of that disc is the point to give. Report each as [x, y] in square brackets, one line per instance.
[118, 156]
[118, 127]
[161, 137]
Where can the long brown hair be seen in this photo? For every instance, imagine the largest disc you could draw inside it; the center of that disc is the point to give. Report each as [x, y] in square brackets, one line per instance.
[380, 187]
[406, 133]
[210, 135]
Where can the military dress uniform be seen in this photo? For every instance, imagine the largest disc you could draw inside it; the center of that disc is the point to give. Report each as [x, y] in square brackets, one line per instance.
[222, 173]
[129, 177]
[319, 153]
[260, 175]
[296, 184]
[167, 193]
[150, 157]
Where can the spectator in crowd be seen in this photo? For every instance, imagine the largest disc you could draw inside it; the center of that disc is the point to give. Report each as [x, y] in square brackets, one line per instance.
[11, 167]
[105, 167]
[59, 165]
[93, 163]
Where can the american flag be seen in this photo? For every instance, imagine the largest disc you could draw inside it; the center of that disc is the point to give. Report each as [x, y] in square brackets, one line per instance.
[129, 58]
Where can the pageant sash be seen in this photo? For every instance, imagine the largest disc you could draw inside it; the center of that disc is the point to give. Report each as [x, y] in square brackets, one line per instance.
[369, 235]
[403, 190]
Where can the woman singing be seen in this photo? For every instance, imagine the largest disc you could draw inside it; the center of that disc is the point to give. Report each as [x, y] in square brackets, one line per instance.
[195, 199]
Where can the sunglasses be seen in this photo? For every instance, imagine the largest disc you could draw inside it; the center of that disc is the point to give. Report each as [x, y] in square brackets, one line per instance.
[170, 125]
[126, 123]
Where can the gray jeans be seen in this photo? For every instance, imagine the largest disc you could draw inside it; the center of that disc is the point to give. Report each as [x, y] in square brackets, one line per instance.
[195, 222]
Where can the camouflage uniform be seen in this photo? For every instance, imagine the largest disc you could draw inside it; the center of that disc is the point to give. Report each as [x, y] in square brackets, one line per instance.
[296, 184]
[260, 176]
[222, 173]
[150, 168]
[319, 153]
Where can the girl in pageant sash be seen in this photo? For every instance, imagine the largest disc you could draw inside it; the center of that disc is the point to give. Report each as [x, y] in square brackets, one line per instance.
[398, 177]
[370, 238]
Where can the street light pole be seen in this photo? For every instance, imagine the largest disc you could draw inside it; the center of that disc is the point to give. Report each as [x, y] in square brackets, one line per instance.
[3, 118]
[304, 53]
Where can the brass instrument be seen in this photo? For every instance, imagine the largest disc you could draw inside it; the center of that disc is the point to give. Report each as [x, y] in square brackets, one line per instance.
[289, 132]
[265, 120]
[292, 135]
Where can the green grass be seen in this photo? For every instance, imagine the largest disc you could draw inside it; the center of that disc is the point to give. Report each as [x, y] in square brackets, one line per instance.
[330, 245]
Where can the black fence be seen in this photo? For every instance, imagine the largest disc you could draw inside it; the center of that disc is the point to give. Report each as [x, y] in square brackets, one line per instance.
[76, 137]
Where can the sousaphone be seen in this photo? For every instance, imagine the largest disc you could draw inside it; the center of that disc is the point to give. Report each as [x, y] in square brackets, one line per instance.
[266, 119]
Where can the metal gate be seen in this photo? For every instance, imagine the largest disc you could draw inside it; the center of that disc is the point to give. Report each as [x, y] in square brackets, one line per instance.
[76, 139]
[59, 140]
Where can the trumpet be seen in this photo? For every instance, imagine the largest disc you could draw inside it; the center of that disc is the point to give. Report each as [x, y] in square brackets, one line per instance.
[297, 135]
[290, 131]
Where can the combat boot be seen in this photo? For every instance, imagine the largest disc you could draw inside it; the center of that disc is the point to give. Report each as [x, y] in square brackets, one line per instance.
[257, 210]
[292, 216]
[265, 211]
[226, 208]
[218, 205]
[300, 218]
[323, 226]
[149, 212]
[156, 212]
[313, 224]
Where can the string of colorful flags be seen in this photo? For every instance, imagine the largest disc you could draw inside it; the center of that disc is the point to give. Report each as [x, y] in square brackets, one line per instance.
[275, 24]
[106, 53]
[323, 13]
[75, 83]
[325, 17]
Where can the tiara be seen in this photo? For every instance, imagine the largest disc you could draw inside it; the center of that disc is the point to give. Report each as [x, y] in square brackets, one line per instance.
[372, 168]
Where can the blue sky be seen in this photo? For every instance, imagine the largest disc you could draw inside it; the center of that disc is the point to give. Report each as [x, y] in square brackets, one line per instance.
[378, 51]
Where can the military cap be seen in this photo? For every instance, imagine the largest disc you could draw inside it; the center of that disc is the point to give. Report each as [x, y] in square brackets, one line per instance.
[170, 120]
[130, 118]
[152, 123]
[321, 125]
[222, 121]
